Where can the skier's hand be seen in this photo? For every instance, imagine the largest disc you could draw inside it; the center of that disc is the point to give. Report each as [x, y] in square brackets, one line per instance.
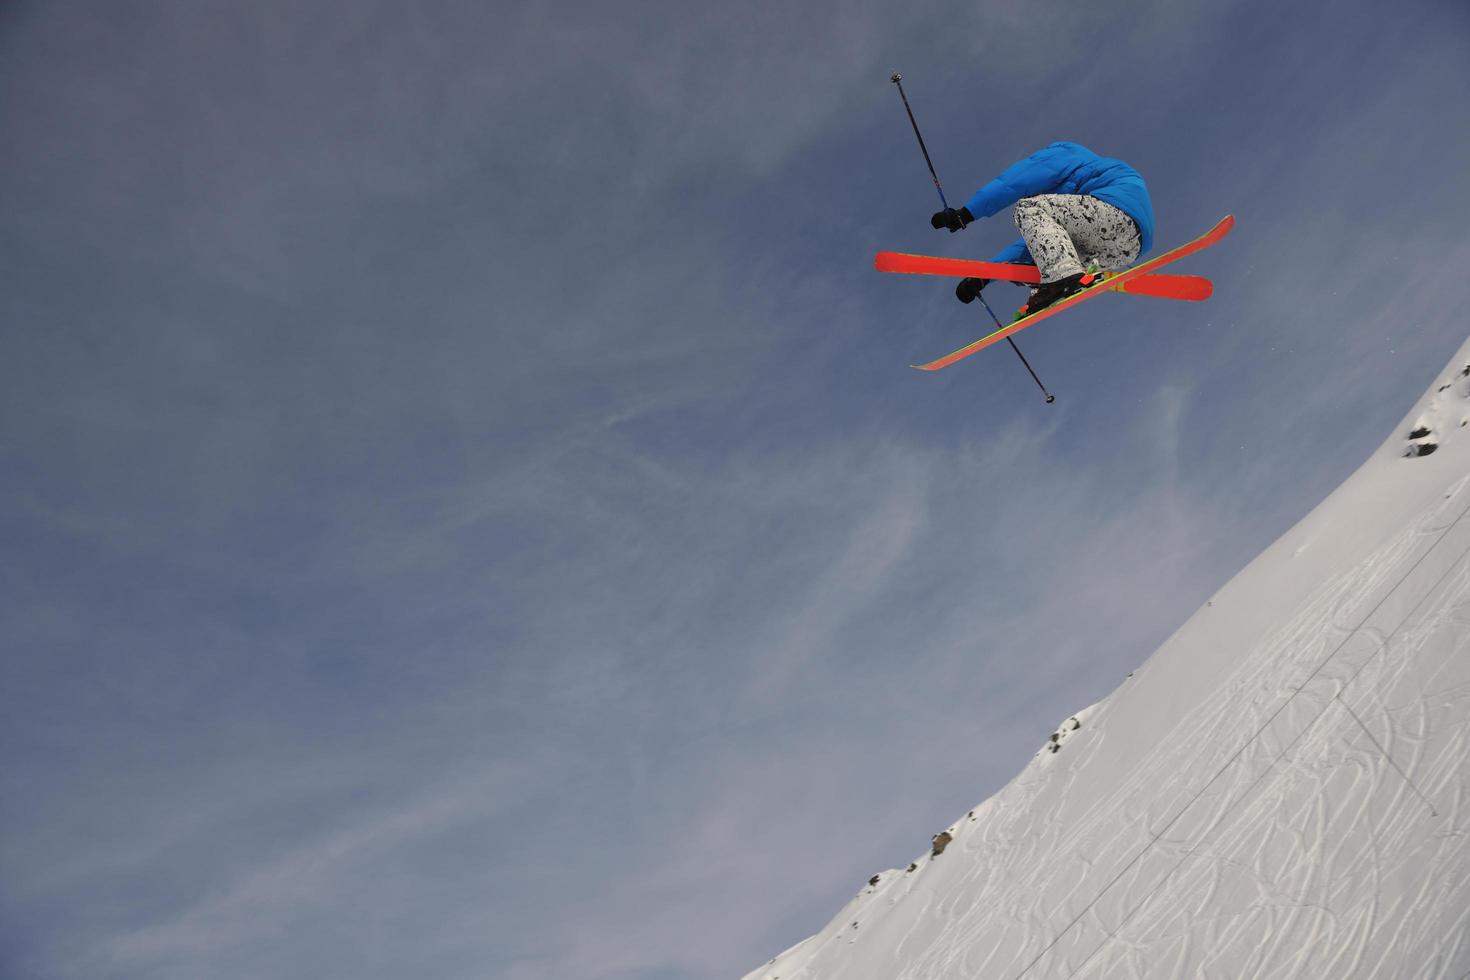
[951, 219]
[969, 288]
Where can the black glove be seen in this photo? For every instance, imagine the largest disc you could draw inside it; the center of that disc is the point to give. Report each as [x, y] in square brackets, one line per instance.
[969, 288]
[951, 219]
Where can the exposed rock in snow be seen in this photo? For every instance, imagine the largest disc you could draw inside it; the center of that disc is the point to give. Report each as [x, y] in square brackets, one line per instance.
[1279, 791]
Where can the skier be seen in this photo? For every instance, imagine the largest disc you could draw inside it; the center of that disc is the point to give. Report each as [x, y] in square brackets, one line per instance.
[1077, 212]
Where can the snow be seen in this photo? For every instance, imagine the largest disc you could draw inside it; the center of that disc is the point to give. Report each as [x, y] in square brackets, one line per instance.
[1279, 791]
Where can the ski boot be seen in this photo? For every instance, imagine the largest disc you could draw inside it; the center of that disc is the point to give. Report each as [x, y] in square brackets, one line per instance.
[1048, 293]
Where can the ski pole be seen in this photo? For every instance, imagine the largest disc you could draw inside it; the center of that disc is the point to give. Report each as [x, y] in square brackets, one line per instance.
[1049, 396]
[897, 79]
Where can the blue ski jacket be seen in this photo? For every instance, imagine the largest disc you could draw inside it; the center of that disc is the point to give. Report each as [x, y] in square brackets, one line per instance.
[1067, 168]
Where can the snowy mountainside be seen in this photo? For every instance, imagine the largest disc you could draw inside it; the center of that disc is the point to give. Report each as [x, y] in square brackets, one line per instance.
[1279, 791]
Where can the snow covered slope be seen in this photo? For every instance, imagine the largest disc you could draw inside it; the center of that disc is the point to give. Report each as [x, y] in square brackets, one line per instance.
[1279, 791]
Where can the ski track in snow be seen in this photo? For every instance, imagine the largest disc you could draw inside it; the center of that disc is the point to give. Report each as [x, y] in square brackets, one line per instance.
[1305, 819]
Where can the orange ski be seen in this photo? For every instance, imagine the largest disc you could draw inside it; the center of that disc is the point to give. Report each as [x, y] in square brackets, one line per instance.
[1211, 237]
[1162, 285]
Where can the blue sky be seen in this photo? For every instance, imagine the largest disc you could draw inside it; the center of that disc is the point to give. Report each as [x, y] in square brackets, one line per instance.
[467, 509]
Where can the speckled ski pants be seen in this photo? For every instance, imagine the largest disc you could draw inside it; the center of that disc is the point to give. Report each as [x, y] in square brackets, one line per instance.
[1067, 232]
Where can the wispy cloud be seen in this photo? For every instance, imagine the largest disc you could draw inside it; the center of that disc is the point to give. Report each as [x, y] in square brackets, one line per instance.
[262, 903]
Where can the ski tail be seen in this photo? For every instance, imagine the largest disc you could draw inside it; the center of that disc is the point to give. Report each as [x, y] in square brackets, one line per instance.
[1192, 289]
